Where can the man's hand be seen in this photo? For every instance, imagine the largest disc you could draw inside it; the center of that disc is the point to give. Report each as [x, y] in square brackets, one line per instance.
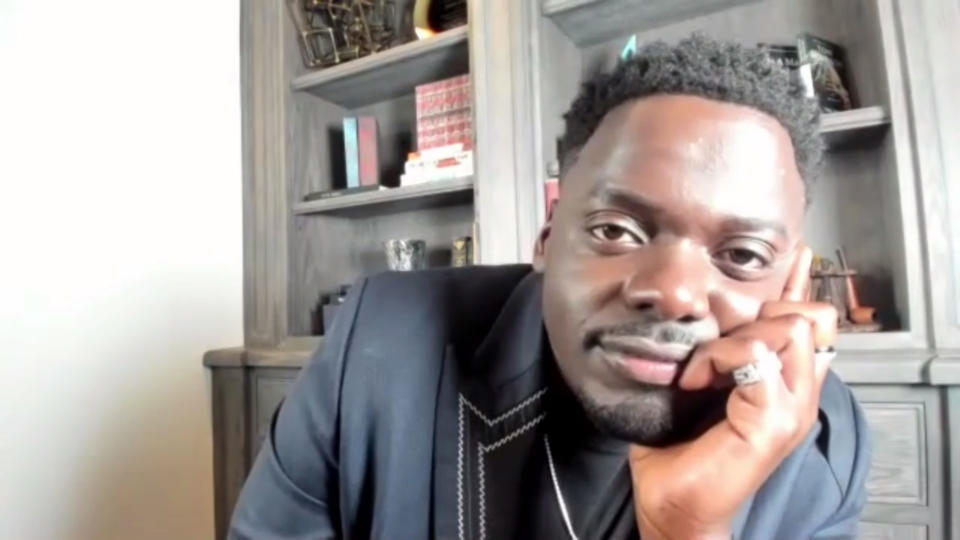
[694, 489]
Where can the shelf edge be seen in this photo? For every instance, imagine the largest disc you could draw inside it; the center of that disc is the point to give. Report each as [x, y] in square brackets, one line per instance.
[309, 81]
[854, 119]
[383, 197]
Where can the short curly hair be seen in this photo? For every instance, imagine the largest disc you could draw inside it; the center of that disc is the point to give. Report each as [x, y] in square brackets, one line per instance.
[704, 67]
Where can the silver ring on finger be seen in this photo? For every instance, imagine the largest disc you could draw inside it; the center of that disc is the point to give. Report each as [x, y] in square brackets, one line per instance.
[768, 365]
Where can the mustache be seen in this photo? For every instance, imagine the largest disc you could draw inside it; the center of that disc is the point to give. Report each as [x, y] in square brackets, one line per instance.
[661, 331]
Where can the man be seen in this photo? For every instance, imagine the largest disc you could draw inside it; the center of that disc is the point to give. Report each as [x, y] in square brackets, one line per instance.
[658, 373]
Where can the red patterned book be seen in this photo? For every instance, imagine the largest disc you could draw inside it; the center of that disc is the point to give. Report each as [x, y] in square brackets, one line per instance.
[445, 113]
[369, 159]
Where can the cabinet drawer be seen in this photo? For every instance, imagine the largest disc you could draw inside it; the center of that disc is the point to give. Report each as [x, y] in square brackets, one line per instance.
[901, 419]
[891, 531]
[898, 471]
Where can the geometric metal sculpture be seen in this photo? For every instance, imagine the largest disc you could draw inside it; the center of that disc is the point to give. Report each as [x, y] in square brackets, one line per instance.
[336, 31]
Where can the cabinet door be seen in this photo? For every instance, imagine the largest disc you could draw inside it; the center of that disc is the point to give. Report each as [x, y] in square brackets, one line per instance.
[268, 387]
[887, 531]
[905, 489]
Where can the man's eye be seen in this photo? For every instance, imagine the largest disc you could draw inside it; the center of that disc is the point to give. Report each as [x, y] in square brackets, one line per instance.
[615, 234]
[743, 258]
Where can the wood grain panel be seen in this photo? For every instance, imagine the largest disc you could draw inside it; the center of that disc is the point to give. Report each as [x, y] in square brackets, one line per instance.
[503, 111]
[891, 531]
[263, 102]
[953, 455]
[268, 388]
[899, 470]
[893, 495]
[930, 45]
[230, 434]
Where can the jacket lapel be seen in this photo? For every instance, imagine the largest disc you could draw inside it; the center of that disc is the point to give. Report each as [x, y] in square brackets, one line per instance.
[489, 413]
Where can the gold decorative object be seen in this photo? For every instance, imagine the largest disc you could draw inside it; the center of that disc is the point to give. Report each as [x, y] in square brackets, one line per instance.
[431, 17]
[336, 31]
[462, 252]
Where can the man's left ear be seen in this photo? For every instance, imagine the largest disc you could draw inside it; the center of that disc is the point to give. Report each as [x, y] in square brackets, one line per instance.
[540, 248]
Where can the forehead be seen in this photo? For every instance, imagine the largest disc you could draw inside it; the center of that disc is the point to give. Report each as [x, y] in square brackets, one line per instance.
[696, 155]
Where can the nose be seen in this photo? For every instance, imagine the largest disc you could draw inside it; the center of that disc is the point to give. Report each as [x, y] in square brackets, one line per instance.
[672, 280]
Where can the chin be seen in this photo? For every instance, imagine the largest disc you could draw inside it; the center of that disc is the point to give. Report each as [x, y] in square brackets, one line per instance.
[654, 416]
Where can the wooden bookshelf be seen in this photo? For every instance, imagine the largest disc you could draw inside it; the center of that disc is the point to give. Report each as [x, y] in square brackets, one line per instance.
[390, 73]
[392, 200]
[886, 196]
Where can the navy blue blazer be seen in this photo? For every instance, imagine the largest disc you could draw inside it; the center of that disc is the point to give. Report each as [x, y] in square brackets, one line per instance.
[417, 415]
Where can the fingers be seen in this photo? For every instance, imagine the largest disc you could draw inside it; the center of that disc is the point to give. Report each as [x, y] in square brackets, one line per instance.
[823, 321]
[713, 362]
[798, 282]
[823, 318]
[790, 335]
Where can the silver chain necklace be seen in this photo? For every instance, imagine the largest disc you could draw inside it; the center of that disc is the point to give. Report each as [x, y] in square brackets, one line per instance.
[556, 488]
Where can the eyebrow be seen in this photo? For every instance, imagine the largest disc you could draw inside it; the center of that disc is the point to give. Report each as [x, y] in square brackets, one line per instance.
[639, 205]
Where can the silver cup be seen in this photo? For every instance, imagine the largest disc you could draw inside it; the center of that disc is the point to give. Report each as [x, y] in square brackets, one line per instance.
[404, 255]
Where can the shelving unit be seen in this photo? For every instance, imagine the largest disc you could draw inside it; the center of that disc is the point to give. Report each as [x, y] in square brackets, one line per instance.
[391, 200]
[391, 73]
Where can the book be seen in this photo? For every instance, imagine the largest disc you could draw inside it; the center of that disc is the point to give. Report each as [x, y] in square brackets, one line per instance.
[369, 159]
[823, 72]
[351, 151]
[437, 164]
[785, 56]
[333, 193]
[445, 113]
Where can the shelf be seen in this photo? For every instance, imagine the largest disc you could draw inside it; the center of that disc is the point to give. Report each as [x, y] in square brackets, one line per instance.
[587, 22]
[293, 353]
[390, 73]
[401, 199]
[854, 128]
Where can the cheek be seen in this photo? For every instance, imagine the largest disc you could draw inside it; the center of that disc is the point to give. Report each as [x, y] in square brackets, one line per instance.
[577, 286]
[735, 307]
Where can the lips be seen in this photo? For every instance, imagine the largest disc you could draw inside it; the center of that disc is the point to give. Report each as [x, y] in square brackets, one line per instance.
[642, 359]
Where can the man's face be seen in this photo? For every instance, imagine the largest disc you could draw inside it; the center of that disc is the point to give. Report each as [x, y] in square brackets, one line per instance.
[681, 216]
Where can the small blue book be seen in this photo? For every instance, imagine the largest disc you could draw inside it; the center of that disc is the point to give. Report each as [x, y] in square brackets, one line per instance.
[352, 151]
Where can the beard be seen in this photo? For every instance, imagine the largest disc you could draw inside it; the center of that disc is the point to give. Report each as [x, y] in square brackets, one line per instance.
[655, 416]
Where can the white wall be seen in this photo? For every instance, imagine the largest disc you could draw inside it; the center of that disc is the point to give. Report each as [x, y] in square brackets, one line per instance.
[120, 262]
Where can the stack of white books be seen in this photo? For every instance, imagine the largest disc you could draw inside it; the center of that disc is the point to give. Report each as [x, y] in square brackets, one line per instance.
[440, 163]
